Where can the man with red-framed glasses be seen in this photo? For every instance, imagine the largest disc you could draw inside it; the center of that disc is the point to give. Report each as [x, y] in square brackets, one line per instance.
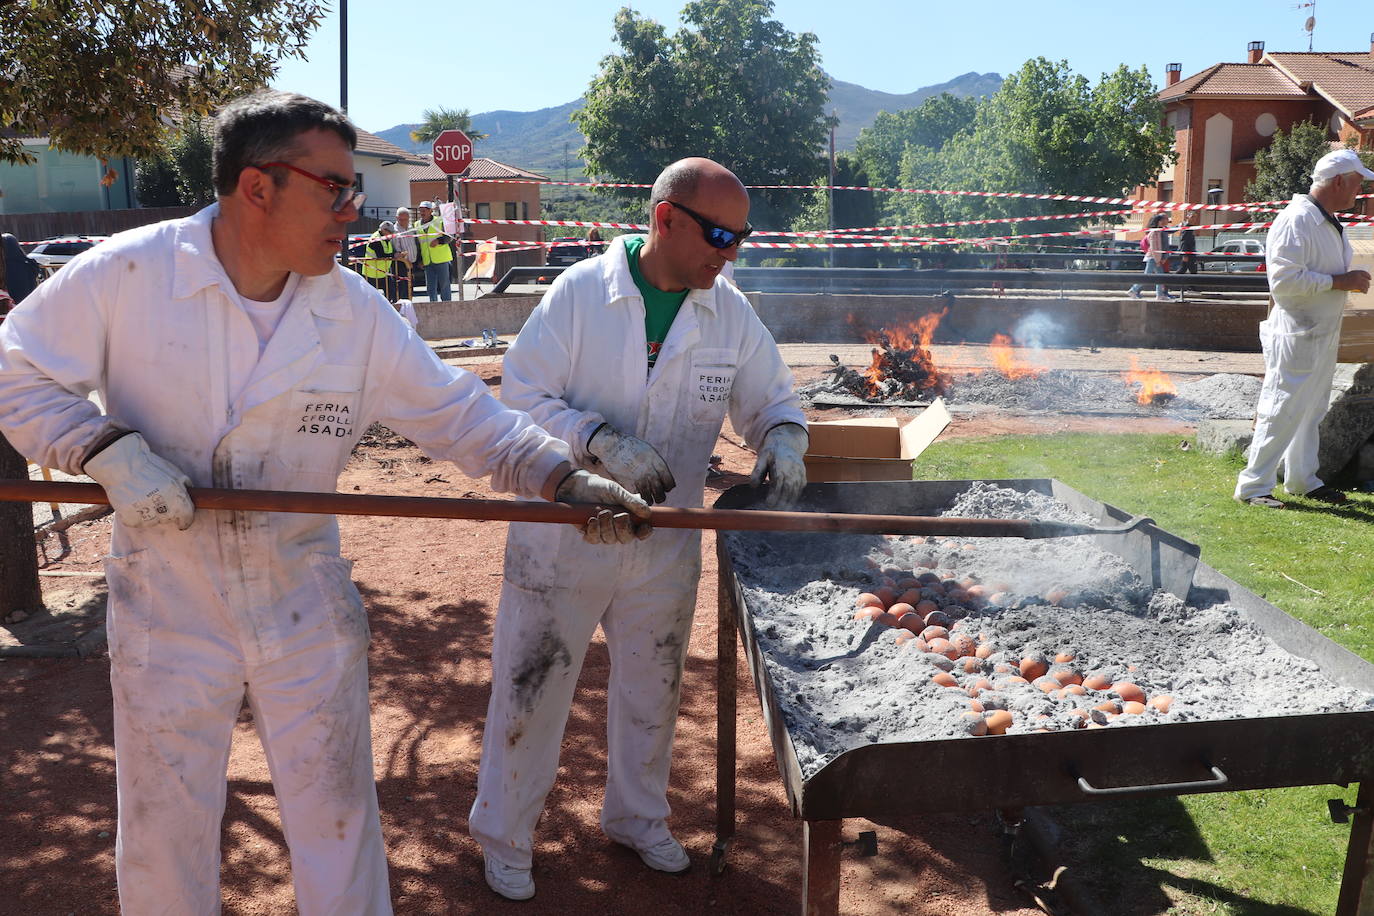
[231, 350]
[633, 358]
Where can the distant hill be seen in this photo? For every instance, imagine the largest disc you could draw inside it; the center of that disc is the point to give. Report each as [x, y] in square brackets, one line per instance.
[538, 139]
[856, 107]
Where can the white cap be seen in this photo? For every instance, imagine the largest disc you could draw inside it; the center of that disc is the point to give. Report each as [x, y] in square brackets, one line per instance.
[426, 204]
[1339, 163]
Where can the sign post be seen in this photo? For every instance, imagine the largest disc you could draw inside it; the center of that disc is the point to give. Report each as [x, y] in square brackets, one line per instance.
[453, 154]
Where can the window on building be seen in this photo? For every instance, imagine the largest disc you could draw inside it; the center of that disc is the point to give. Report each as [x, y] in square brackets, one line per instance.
[483, 211]
[512, 211]
[1166, 191]
[1215, 191]
[358, 181]
[524, 209]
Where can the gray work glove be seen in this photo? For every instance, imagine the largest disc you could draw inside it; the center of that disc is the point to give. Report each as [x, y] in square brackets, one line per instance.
[633, 463]
[144, 489]
[780, 458]
[607, 526]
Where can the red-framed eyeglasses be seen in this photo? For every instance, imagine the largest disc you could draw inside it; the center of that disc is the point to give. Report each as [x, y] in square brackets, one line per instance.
[346, 193]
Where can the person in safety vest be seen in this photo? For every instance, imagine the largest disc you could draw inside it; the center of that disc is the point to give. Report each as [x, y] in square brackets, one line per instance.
[407, 254]
[436, 253]
[633, 358]
[379, 262]
[1307, 259]
[229, 349]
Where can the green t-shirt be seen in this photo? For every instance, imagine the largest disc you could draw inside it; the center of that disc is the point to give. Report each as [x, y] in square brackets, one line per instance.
[660, 308]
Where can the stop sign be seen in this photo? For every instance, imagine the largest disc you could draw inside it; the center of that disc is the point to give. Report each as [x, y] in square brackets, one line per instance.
[452, 152]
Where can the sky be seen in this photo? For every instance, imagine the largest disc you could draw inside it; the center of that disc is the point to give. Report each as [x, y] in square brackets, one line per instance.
[531, 54]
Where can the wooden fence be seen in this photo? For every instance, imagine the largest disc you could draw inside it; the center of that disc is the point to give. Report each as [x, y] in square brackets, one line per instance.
[32, 227]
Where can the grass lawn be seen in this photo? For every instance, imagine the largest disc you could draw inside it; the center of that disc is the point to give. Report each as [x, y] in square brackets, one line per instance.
[1272, 852]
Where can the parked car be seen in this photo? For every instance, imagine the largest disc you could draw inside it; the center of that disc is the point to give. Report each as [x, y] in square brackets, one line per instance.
[54, 252]
[1250, 252]
[566, 251]
[1130, 252]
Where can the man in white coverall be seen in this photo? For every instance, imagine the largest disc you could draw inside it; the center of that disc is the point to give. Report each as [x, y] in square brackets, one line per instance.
[1308, 261]
[633, 359]
[230, 350]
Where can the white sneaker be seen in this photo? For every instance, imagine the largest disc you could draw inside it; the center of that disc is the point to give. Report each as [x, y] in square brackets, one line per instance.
[666, 855]
[508, 881]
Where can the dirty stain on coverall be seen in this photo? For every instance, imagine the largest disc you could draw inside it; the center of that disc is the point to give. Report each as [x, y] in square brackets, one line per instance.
[580, 360]
[241, 605]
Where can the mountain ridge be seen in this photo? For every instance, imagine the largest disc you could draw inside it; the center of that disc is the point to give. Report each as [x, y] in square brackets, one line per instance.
[546, 141]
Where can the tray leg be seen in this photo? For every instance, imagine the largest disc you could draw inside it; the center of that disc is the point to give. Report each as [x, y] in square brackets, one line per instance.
[821, 868]
[1357, 888]
[726, 700]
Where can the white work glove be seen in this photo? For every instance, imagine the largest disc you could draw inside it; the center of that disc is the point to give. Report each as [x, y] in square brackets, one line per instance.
[607, 526]
[780, 457]
[632, 462]
[144, 489]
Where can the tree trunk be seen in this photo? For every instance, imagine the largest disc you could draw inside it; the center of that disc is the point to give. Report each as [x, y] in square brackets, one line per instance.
[19, 589]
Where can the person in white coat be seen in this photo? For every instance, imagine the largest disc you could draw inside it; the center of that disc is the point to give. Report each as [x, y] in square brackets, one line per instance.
[230, 350]
[633, 358]
[1308, 261]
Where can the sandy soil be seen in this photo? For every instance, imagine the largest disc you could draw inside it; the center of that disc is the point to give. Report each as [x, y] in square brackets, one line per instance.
[431, 590]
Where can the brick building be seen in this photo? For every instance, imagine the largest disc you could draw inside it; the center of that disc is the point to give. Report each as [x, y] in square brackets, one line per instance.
[485, 199]
[1223, 114]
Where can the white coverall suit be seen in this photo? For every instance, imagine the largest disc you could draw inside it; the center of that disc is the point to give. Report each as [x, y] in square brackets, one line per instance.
[251, 603]
[1303, 252]
[579, 361]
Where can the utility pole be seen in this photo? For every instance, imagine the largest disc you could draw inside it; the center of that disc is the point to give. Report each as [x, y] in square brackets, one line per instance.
[830, 207]
[343, 56]
[343, 93]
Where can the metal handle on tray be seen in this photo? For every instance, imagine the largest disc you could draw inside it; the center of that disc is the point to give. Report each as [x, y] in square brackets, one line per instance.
[1173, 788]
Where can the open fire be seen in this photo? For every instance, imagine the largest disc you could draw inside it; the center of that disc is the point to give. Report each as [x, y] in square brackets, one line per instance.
[1155, 386]
[903, 370]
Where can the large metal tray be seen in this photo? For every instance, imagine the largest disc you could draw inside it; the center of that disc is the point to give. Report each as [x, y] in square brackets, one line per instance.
[1013, 771]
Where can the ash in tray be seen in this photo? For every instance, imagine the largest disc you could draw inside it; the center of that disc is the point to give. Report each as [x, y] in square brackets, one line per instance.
[963, 638]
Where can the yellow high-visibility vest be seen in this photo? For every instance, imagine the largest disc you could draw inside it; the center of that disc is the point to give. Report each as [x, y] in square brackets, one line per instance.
[375, 268]
[428, 232]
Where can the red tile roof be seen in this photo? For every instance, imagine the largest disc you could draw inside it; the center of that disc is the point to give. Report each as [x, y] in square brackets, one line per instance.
[1260, 80]
[481, 167]
[373, 146]
[1345, 79]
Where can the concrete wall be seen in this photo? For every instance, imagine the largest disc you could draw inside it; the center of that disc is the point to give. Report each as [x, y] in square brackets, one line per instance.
[801, 318]
[505, 314]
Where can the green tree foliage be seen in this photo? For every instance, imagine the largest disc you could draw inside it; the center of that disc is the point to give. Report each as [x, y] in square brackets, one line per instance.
[732, 84]
[930, 125]
[1284, 167]
[1047, 130]
[180, 175]
[438, 120]
[853, 209]
[100, 78]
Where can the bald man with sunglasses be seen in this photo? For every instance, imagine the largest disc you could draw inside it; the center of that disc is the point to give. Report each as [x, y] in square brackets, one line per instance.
[633, 358]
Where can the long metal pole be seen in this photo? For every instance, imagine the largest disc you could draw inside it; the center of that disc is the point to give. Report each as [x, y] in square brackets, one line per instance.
[568, 514]
[830, 206]
[343, 56]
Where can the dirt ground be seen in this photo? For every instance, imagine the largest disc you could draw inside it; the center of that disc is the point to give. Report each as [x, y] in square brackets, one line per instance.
[431, 589]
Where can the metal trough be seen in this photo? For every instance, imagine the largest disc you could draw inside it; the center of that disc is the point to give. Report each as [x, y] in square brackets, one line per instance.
[1016, 771]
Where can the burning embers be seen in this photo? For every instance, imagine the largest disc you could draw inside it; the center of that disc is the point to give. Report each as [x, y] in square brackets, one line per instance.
[902, 368]
[1155, 386]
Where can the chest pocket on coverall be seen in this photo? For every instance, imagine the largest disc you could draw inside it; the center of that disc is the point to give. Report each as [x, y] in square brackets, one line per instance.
[712, 378]
[321, 424]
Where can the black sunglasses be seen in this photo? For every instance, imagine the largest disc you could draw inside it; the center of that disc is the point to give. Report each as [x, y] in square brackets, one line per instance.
[716, 236]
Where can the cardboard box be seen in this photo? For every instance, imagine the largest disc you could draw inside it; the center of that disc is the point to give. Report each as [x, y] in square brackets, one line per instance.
[880, 448]
[1357, 337]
